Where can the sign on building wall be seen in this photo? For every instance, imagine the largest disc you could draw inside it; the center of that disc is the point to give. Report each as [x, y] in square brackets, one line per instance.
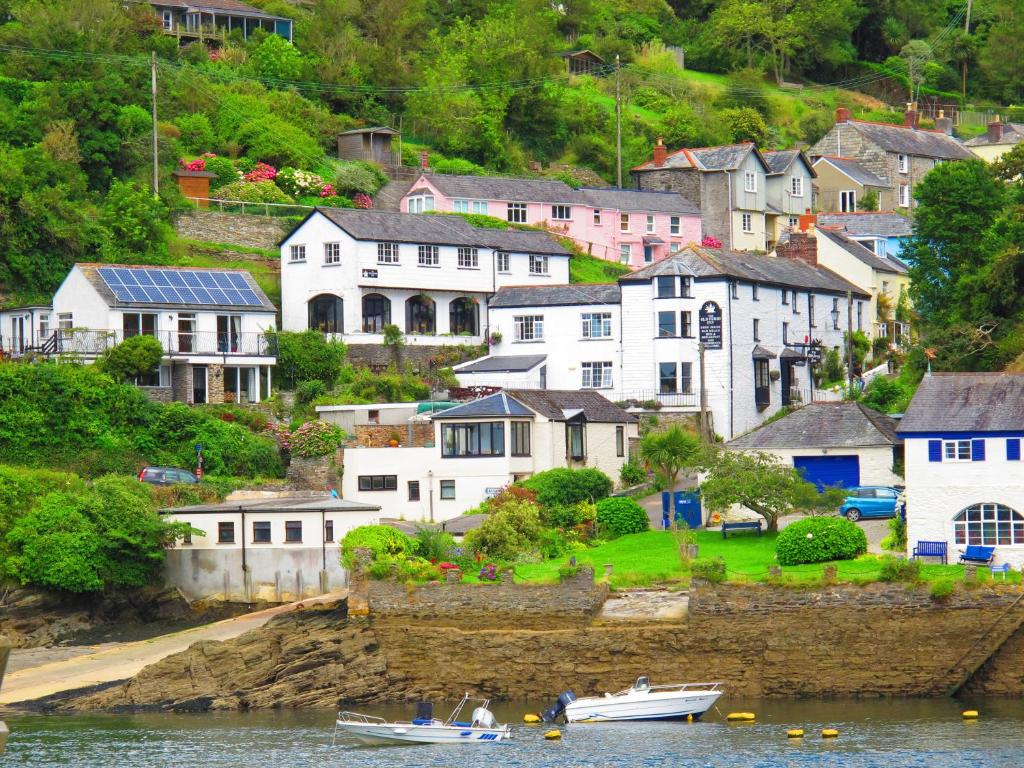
[711, 325]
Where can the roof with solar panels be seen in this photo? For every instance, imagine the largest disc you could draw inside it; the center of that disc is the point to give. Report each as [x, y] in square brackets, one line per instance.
[123, 285]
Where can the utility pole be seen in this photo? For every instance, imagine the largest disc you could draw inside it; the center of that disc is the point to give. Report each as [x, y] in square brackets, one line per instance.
[618, 126]
[849, 341]
[705, 428]
[156, 148]
[963, 66]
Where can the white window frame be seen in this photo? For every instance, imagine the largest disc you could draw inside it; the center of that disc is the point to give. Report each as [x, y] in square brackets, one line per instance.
[528, 328]
[596, 375]
[561, 213]
[167, 19]
[460, 206]
[796, 186]
[503, 261]
[65, 321]
[538, 264]
[651, 224]
[956, 451]
[848, 201]
[421, 203]
[984, 521]
[516, 213]
[44, 325]
[469, 258]
[757, 329]
[597, 325]
[597, 217]
[332, 254]
[624, 222]
[625, 252]
[674, 225]
[479, 206]
[903, 163]
[297, 253]
[387, 252]
[749, 181]
[747, 223]
[904, 196]
[428, 256]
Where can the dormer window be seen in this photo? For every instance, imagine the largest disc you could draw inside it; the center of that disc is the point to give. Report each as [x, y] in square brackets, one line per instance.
[421, 203]
[797, 186]
[749, 181]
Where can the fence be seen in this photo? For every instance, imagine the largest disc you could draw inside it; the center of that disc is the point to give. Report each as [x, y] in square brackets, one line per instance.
[89, 342]
[282, 210]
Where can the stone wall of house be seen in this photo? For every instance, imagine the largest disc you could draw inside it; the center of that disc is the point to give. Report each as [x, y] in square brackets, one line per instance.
[380, 356]
[181, 382]
[215, 383]
[519, 642]
[232, 228]
[158, 394]
[380, 435]
[317, 473]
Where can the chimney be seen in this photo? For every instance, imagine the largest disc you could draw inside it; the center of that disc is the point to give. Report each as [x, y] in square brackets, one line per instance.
[660, 152]
[842, 115]
[910, 116]
[801, 246]
[807, 221]
[995, 130]
[424, 161]
[943, 123]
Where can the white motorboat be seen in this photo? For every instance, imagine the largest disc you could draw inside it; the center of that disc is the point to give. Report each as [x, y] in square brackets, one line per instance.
[641, 702]
[483, 728]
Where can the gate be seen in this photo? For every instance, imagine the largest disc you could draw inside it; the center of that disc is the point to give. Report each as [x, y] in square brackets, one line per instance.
[687, 507]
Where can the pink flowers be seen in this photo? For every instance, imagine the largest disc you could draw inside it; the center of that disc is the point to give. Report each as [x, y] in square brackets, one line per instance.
[327, 191]
[362, 200]
[199, 164]
[711, 242]
[262, 172]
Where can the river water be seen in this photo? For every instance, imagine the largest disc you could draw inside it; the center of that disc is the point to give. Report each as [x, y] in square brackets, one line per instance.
[872, 733]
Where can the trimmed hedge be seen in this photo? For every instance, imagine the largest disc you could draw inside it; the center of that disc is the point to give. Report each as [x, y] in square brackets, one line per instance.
[380, 539]
[820, 540]
[620, 515]
[564, 487]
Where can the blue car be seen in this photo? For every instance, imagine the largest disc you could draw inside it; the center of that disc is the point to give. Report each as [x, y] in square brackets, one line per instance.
[871, 501]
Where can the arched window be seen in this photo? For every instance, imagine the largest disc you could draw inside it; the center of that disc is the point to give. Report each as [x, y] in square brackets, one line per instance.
[419, 314]
[462, 316]
[989, 525]
[376, 312]
[325, 314]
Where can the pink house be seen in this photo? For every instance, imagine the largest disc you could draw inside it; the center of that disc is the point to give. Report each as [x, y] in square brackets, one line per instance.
[626, 225]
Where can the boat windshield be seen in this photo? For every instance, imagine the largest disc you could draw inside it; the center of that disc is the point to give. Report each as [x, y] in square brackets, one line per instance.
[642, 684]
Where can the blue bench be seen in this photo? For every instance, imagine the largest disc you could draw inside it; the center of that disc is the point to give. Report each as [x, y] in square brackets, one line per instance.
[977, 555]
[930, 549]
[1000, 569]
[747, 525]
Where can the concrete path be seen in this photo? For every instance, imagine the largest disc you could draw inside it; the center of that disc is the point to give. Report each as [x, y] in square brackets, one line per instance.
[119, 661]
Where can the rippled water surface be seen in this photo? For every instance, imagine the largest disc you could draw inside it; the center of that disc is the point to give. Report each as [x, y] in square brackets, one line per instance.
[882, 733]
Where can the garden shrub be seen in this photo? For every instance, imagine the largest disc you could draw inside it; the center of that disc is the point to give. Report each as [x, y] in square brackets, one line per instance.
[308, 391]
[253, 192]
[316, 438]
[570, 516]
[135, 356]
[382, 540]
[563, 486]
[708, 568]
[196, 132]
[353, 177]
[943, 589]
[507, 533]
[553, 543]
[305, 356]
[820, 540]
[900, 569]
[619, 515]
[225, 170]
[631, 474]
[434, 544]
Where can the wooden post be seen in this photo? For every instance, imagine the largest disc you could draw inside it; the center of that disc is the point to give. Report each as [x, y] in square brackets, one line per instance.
[849, 342]
[618, 127]
[705, 426]
[156, 146]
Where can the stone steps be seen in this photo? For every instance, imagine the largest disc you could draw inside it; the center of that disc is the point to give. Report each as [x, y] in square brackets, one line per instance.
[389, 197]
[997, 635]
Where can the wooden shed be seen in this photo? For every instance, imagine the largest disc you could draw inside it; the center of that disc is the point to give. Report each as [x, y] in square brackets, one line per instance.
[374, 145]
[583, 63]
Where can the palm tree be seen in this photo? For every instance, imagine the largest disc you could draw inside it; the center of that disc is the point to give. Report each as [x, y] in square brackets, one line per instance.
[668, 452]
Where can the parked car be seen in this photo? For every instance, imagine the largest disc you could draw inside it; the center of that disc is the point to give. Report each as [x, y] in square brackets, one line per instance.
[166, 476]
[871, 501]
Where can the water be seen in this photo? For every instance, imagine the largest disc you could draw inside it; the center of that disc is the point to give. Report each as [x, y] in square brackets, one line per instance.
[878, 733]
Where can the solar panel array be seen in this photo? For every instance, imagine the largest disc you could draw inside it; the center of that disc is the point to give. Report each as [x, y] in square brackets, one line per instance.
[177, 286]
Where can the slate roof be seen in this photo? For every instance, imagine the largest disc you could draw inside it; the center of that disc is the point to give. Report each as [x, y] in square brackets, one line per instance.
[636, 200]
[281, 504]
[576, 294]
[556, 404]
[1012, 133]
[89, 271]
[861, 253]
[823, 425]
[703, 262]
[728, 157]
[436, 229]
[503, 188]
[372, 129]
[498, 404]
[779, 161]
[911, 141]
[502, 364]
[881, 224]
[227, 6]
[966, 402]
[854, 170]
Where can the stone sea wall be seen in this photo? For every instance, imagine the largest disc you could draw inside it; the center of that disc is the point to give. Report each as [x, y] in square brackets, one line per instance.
[514, 642]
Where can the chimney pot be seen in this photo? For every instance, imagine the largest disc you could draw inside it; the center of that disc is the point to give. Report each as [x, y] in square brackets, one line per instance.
[995, 130]
[801, 247]
[910, 116]
[807, 221]
[660, 153]
[842, 115]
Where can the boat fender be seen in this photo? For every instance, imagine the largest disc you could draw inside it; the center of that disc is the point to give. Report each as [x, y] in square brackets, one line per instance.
[689, 718]
[553, 735]
[829, 733]
[531, 718]
[795, 733]
[970, 714]
[741, 717]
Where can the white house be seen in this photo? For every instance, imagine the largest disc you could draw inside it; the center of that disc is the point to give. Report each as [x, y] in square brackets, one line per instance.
[484, 445]
[210, 322]
[842, 443]
[965, 482]
[259, 546]
[351, 272]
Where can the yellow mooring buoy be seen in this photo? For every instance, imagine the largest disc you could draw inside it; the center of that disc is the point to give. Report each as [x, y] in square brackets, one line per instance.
[970, 714]
[553, 735]
[531, 718]
[689, 718]
[829, 733]
[741, 717]
[795, 733]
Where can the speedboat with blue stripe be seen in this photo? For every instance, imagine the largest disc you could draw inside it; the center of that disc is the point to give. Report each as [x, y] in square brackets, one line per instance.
[481, 728]
[641, 702]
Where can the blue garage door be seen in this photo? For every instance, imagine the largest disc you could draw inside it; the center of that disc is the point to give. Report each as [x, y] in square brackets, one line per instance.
[829, 470]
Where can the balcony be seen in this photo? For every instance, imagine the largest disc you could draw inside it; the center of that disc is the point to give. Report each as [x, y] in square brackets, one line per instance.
[89, 342]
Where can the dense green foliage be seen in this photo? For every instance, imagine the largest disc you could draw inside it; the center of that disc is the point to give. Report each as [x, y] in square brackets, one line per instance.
[316, 438]
[78, 417]
[379, 539]
[135, 356]
[631, 474]
[668, 452]
[820, 540]
[306, 356]
[507, 532]
[619, 515]
[563, 487]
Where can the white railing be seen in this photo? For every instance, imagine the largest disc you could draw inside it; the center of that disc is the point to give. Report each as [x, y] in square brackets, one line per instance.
[90, 342]
[255, 209]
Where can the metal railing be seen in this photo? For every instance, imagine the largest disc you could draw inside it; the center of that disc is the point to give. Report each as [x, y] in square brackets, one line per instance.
[90, 342]
[254, 209]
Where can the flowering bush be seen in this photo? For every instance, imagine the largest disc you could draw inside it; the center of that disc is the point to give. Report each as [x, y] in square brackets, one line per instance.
[711, 242]
[296, 182]
[489, 572]
[281, 434]
[262, 172]
[225, 170]
[253, 192]
[316, 438]
[362, 200]
[199, 164]
[327, 191]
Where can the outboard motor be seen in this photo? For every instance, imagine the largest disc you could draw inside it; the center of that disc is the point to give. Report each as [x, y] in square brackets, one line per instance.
[564, 699]
[484, 718]
[424, 712]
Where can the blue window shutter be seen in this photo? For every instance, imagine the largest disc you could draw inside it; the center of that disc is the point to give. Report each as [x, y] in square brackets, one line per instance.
[977, 450]
[1013, 449]
[934, 450]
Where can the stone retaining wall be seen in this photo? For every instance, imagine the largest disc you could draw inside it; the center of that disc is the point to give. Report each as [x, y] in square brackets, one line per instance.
[380, 435]
[232, 228]
[316, 474]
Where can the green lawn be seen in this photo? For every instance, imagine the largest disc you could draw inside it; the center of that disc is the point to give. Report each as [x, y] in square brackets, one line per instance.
[653, 557]
[584, 268]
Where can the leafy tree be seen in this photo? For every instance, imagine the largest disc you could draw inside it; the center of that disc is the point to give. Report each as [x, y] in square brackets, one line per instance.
[136, 222]
[670, 451]
[305, 356]
[196, 133]
[563, 487]
[868, 201]
[762, 484]
[275, 58]
[745, 124]
[507, 533]
[134, 357]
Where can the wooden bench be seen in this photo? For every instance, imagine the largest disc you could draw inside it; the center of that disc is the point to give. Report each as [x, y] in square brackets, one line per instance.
[746, 525]
[930, 549]
[977, 555]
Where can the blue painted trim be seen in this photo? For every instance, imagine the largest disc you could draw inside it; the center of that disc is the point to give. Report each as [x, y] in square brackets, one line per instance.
[1013, 449]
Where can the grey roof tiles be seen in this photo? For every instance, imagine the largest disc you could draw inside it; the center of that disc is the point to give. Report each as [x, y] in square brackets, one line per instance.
[556, 295]
[554, 404]
[823, 425]
[966, 402]
[503, 364]
[909, 141]
[1011, 133]
[728, 157]
[854, 170]
[498, 404]
[880, 224]
[861, 253]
